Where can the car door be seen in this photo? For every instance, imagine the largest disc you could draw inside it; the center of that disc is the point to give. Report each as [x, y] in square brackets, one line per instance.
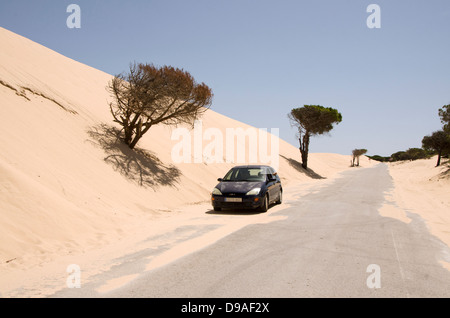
[277, 184]
[272, 185]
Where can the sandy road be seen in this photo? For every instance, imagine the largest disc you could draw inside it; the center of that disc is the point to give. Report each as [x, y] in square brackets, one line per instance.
[332, 242]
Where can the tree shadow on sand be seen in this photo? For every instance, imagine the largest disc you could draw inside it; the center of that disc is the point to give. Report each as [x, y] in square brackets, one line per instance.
[446, 173]
[137, 165]
[298, 166]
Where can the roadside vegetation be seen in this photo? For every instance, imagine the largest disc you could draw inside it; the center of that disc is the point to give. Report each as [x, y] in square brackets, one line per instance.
[437, 143]
[356, 153]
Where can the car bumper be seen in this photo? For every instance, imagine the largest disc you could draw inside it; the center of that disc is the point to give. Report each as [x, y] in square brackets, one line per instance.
[247, 202]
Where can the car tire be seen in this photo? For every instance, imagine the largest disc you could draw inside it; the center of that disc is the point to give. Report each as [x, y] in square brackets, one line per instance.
[280, 198]
[265, 205]
[217, 209]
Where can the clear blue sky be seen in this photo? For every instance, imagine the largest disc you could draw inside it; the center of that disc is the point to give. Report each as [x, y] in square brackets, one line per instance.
[262, 58]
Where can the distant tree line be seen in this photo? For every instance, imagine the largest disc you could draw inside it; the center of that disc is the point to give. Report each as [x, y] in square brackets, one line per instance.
[437, 143]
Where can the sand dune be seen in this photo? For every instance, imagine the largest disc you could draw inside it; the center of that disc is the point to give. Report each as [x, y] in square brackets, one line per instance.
[68, 185]
[69, 189]
[423, 189]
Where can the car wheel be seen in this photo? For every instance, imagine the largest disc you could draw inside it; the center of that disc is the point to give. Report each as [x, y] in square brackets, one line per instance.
[217, 209]
[280, 198]
[265, 205]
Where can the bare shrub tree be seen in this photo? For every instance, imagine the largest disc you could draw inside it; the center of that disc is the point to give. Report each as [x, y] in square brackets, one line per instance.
[356, 154]
[149, 95]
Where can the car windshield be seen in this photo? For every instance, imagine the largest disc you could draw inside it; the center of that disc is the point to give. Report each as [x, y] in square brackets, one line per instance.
[247, 174]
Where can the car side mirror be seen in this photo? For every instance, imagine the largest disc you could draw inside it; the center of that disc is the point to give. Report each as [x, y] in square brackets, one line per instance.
[271, 178]
[220, 179]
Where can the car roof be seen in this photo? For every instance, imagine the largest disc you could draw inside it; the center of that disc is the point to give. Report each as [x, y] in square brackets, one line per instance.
[253, 166]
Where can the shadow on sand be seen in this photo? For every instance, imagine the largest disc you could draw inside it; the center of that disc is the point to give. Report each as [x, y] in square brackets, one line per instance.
[137, 165]
[298, 166]
[234, 212]
[446, 173]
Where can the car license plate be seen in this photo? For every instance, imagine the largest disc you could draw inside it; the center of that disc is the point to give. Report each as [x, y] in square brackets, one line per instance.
[233, 199]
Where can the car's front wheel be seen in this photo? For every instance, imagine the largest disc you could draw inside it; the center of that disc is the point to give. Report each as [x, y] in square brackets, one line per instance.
[265, 206]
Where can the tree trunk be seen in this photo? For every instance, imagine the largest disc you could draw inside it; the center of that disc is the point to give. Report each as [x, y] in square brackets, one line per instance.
[304, 146]
[439, 158]
[134, 142]
[141, 129]
[128, 135]
[137, 135]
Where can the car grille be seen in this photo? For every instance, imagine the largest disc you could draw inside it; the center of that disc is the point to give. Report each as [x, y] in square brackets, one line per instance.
[234, 195]
[236, 204]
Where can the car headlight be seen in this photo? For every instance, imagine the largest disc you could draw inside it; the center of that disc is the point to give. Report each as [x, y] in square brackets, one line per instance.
[216, 191]
[254, 191]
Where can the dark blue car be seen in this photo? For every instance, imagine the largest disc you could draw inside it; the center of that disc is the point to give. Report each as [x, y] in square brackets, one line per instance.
[248, 187]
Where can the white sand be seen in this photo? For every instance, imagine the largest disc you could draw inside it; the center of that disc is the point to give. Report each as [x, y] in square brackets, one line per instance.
[70, 195]
[423, 189]
[68, 190]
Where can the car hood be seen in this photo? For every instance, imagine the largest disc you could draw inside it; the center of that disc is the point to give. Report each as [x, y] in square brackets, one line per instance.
[238, 186]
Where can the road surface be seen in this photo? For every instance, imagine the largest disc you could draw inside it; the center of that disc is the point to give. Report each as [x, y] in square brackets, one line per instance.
[331, 243]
